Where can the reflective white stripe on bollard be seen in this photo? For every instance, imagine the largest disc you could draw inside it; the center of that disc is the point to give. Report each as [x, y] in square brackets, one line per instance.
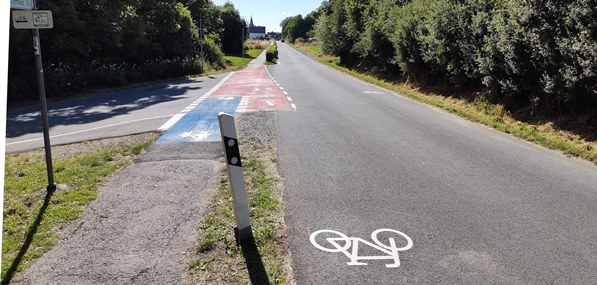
[235, 175]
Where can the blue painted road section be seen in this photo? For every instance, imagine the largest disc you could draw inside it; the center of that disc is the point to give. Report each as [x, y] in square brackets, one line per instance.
[200, 124]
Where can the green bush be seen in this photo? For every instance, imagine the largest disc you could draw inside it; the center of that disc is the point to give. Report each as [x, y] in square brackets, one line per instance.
[271, 54]
[63, 79]
[523, 54]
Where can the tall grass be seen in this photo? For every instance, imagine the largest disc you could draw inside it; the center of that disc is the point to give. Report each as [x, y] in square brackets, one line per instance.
[257, 44]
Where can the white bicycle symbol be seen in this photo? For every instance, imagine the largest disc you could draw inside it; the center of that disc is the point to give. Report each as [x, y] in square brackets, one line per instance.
[391, 250]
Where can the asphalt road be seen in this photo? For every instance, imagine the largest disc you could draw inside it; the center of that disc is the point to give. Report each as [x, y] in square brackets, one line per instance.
[110, 114]
[479, 205]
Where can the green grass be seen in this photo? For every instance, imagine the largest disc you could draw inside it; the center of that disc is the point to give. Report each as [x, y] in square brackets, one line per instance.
[32, 218]
[492, 115]
[236, 61]
[219, 258]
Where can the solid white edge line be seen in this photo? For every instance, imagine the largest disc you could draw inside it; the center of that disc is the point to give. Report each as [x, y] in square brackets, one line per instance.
[92, 129]
[171, 122]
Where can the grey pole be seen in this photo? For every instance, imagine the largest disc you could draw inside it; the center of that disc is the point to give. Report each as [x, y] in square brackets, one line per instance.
[235, 175]
[44, 109]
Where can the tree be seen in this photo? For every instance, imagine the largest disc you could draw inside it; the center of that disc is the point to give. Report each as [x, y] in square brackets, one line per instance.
[233, 28]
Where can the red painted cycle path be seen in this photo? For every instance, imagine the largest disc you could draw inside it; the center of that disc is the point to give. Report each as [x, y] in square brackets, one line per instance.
[258, 90]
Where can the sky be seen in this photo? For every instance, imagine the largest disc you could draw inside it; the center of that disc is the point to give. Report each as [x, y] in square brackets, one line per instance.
[270, 13]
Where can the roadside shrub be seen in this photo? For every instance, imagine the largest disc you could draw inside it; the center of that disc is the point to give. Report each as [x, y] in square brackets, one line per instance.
[271, 55]
[63, 79]
[525, 55]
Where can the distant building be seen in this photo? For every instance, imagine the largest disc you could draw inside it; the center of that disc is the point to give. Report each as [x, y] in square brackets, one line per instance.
[273, 35]
[256, 32]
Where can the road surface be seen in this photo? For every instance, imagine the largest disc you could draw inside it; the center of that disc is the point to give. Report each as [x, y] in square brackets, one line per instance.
[479, 205]
[109, 114]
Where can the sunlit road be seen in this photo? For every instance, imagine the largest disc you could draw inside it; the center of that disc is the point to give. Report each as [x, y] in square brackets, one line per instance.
[110, 114]
[479, 206]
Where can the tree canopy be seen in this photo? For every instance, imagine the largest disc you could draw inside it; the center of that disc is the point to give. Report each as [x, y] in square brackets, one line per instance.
[103, 43]
[523, 54]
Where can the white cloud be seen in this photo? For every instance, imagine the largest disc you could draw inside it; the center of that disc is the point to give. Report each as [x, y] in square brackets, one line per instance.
[287, 14]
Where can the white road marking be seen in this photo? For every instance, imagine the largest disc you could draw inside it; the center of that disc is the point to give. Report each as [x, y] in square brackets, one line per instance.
[171, 122]
[293, 106]
[342, 244]
[92, 129]
[281, 88]
[289, 99]
[285, 93]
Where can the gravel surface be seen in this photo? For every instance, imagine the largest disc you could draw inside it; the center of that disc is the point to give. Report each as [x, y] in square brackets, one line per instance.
[257, 127]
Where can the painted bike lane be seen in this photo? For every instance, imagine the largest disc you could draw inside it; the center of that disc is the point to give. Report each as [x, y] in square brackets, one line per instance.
[249, 90]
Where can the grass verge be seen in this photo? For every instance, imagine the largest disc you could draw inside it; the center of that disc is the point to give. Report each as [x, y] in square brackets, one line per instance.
[34, 219]
[492, 115]
[219, 259]
[237, 62]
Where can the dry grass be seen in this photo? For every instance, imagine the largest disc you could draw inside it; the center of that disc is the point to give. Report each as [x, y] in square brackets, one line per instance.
[257, 44]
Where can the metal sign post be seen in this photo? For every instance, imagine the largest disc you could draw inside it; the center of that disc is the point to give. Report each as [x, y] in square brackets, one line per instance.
[201, 24]
[235, 175]
[41, 87]
[35, 20]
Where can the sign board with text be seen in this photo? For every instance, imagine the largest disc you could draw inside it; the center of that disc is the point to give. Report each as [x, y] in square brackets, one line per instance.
[32, 19]
[21, 4]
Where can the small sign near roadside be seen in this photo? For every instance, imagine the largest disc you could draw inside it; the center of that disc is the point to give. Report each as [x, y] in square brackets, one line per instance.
[21, 4]
[32, 19]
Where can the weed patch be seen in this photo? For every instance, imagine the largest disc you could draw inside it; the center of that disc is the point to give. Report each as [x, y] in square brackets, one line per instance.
[219, 259]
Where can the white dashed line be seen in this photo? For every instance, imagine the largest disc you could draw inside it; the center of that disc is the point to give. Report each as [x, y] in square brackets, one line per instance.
[281, 88]
[242, 106]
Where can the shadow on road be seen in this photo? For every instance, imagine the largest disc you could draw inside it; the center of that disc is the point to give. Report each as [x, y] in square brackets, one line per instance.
[257, 272]
[82, 110]
[28, 239]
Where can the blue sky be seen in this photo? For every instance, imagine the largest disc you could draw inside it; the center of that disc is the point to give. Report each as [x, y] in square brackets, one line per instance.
[270, 13]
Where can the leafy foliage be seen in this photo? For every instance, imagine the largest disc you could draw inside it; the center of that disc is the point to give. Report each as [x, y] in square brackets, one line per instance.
[271, 54]
[102, 43]
[523, 54]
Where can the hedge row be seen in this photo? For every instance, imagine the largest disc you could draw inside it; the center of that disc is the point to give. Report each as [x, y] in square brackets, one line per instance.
[271, 54]
[540, 55]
